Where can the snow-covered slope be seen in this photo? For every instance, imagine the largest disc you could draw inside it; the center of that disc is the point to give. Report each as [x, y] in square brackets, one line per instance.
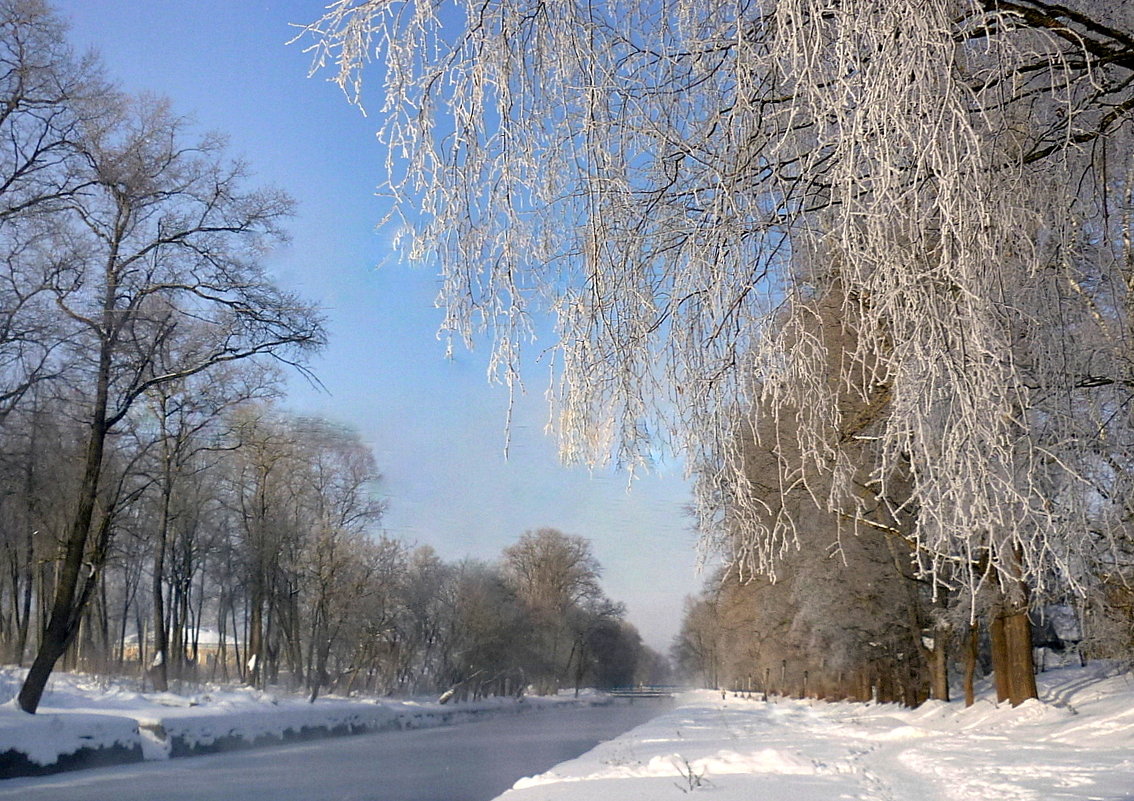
[1076, 743]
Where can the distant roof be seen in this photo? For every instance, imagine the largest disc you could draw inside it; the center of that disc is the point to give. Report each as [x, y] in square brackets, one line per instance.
[206, 636]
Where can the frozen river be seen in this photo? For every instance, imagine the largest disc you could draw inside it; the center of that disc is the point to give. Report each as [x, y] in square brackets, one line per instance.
[467, 762]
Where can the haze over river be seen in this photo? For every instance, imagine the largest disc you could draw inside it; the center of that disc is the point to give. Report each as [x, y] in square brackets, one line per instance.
[465, 762]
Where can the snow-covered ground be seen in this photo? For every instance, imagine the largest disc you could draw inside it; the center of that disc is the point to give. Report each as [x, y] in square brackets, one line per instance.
[1076, 743]
[84, 712]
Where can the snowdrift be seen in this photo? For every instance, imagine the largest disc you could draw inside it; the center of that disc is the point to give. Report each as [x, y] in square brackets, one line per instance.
[1074, 744]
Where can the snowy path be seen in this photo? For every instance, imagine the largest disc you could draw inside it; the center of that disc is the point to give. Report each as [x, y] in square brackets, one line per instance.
[1078, 745]
[466, 762]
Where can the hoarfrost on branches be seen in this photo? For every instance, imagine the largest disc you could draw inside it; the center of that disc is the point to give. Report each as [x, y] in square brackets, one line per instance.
[684, 185]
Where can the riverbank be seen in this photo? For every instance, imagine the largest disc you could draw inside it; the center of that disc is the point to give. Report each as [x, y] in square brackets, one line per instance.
[87, 721]
[1075, 744]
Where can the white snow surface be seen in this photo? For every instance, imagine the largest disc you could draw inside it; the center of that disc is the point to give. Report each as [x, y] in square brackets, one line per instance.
[87, 711]
[1077, 742]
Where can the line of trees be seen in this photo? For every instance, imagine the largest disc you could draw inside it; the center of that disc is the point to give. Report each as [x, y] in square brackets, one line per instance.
[853, 607]
[151, 491]
[131, 276]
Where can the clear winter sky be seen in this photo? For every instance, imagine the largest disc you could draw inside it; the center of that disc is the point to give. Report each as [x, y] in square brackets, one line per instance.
[436, 426]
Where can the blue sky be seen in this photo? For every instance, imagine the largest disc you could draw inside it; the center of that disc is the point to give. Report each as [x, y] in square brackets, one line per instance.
[435, 425]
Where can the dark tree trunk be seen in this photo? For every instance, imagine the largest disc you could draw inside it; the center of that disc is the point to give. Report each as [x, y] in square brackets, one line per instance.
[102, 608]
[159, 669]
[124, 621]
[29, 581]
[24, 621]
[255, 651]
[237, 630]
[67, 607]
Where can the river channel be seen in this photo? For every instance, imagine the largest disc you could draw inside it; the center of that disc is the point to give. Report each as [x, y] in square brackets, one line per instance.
[466, 762]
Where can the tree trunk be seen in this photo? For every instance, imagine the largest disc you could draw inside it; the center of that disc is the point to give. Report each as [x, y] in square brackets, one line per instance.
[124, 622]
[237, 630]
[939, 665]
[255, 650]
[999, 646]
[66, 609]
[1012, 658]
[1017, 660]
[29, 542]
[29, 580]
[103, 629]
[140, 627]
[65, 613]
[972, 650]
[159, 668]
[1021, 659]
[14, 574]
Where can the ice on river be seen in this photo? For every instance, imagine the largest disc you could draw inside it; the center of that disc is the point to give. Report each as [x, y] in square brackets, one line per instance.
[475, 761]
[80, 711]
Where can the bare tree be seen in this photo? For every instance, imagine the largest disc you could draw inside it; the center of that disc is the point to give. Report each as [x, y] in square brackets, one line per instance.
[165, 238]
[39, 479]
[189, 416]
[697, 649]
[553, 571]
[46, 97]
[490, 641]
[342, 568]
[267, 503]
[425, 620]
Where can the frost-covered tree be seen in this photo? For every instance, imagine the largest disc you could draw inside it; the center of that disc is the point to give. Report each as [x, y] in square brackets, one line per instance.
[677, 182]
[553, 571]
[555, 576]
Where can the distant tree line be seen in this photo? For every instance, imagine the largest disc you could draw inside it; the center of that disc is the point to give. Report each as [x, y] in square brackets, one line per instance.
[261, 529]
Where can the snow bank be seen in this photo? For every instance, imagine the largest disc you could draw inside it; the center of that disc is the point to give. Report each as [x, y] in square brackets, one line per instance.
[1072, 745]
[85, 721]
[32, 745]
